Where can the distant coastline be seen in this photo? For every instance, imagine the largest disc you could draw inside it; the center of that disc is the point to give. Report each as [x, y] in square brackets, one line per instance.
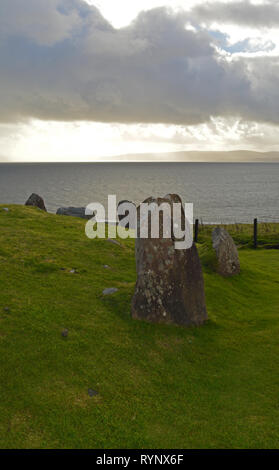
[193, 156]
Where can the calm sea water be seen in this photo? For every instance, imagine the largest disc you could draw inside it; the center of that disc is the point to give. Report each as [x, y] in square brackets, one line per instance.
[221, 192]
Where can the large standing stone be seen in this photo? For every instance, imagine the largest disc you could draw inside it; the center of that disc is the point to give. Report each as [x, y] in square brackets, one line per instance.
[169, 286]
[226, 252]
[37, 201]
[173, 198]
[121, 216]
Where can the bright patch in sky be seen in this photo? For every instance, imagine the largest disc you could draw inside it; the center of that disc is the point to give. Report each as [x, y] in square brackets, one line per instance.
[83, 141]
[121, 12]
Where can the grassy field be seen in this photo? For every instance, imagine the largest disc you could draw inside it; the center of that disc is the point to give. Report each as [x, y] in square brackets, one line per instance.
[157, 386]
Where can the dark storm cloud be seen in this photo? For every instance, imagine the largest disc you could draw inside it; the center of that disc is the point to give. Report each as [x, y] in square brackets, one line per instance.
[61, 60]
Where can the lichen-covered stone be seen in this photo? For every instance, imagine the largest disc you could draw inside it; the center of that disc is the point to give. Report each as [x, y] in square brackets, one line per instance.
[169, 286]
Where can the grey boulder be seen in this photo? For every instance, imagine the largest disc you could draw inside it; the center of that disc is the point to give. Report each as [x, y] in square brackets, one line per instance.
[74, 212]
[226, 252]
[36, 201]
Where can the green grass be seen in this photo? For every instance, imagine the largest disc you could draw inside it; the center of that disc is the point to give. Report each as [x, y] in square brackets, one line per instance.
[158, 386]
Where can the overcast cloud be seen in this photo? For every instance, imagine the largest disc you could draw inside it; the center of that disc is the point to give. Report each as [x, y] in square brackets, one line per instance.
[61, 60]
[244, 12]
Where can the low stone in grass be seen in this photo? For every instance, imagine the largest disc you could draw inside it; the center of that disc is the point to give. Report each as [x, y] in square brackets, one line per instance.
[7, 310]
[6, 209]
[226, 252]
[115, 242]
[74, 212]
[110, 290]
[65, 333]
[37, 201]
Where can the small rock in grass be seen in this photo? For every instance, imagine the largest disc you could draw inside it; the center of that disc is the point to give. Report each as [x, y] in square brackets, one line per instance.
[7, 310]
[106, 266]
[65, 333]
[92, 393]
[73, 271]
[115, 242]
[109, 291]
[6, 209]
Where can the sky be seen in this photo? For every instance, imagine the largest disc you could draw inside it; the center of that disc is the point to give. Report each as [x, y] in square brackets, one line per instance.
[86, 80]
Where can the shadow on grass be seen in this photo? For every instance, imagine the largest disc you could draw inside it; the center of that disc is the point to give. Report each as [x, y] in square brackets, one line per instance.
[120, 306]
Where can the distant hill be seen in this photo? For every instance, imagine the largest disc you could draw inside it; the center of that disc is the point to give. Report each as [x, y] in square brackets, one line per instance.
[4, 159]
[196, 156]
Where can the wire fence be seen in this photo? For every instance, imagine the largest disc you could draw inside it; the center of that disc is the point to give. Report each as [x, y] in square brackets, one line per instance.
[260, 232]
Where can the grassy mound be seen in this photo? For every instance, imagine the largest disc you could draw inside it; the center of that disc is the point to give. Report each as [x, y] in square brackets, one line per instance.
[157, 386]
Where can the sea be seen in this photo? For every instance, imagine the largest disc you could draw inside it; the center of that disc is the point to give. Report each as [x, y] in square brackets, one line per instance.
[220, 192]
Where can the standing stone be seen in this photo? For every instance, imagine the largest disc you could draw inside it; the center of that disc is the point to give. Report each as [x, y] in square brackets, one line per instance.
[37, 201]
[226, 252]
[170, 287]
[122, 216]
[173, 198]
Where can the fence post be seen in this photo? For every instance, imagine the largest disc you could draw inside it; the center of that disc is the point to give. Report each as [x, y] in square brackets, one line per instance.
[196, 230]
[255, 233]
